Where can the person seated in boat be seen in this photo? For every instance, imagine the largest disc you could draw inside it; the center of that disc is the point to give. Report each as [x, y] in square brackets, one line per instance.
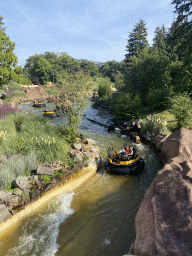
[135, 151]
[127, 150]
[121, 153]
[110, 153]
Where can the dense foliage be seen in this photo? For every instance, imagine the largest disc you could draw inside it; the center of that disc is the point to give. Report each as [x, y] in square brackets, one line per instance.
[8, 60]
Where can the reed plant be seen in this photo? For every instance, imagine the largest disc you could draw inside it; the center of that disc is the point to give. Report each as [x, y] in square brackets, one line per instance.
[154, 124]
[34, 134]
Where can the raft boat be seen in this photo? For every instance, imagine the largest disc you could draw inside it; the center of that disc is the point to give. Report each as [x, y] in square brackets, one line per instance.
[49, 113]
[133, 166]
[39, 104]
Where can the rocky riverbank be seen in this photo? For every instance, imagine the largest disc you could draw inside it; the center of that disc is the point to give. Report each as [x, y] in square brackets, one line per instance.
[47, 178]
[163, 223]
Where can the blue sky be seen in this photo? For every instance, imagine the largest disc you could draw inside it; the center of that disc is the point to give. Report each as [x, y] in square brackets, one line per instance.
[95, 30]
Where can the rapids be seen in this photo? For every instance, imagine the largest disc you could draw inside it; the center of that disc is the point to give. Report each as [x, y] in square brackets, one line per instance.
[97, 219]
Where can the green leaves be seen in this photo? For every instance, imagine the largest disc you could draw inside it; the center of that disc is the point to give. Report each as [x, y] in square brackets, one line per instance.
[104, 87]
[137, 39]
[181, 107]
[8, 59]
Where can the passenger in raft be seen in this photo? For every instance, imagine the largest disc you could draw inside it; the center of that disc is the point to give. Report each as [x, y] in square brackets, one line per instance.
[121, 154]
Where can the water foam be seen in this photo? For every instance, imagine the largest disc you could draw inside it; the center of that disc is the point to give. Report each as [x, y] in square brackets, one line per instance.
[42, 239]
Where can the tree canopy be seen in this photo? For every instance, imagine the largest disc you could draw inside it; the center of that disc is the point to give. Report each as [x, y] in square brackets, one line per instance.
[8, 60]
[137, 39]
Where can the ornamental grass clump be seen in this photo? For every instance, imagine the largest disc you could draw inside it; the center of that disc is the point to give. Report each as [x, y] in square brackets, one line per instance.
[15, 167]
[33, 134]
[154, 124]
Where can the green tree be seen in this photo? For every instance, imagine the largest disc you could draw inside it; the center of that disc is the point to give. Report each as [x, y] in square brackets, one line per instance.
[8, 60]
[147, 70]
[74, 87]
[104, 87]
[159, 41]
[43, 70]
[181, 107]
[110, 68]
[183, 28]
[137, 40]
[125, 105]
[181, 77]
[67, 62]
[119, 80]
[89, 68]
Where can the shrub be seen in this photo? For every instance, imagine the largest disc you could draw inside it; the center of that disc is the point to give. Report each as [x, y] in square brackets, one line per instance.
[86, 165]
[125, 105]
[13, 89]
[85, 158]
[104, 87]
[46, 178]
[6, 109]
[153, 124]
[61, 174]
[13, 168]
[157, 98]
[181, 107]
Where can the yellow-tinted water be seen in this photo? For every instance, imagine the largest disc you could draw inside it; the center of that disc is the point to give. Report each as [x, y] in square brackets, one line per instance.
[95, 219]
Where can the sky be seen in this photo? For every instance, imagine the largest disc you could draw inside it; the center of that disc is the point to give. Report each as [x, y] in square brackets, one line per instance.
[96, 30]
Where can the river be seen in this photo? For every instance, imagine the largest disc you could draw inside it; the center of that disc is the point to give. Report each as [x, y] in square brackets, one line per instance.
[97, 219]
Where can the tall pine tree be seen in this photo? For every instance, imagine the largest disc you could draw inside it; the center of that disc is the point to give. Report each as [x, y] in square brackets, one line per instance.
[159, 41]
[183, 29]
[137, 40]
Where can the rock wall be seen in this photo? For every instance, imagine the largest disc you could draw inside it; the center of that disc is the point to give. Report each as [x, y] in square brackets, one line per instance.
[34, 92]
[164, 221]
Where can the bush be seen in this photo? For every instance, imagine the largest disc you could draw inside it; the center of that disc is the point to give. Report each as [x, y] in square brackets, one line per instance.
[157, 98]
[13, 168]
[6, 109]
[104, 87]
[25, 81]
[153, 124]
[125, 105]
[35, 134]
[181, 107]
[46, 178]
[13, 89]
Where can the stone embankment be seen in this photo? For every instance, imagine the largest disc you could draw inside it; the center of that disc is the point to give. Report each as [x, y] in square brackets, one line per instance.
[48, 180]
[164, 221]
[34, 92]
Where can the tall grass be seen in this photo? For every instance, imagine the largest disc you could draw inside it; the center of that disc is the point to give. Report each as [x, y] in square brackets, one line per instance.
[13, 168]
[14, 90]
[26, 133]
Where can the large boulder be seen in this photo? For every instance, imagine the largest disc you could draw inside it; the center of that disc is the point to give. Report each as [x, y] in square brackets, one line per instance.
[177, 144]
[4, 212]
[164, 220]
[9, 198]
[22, 183]
[43, 169]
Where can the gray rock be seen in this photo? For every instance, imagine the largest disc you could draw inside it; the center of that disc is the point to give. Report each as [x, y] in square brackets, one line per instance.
[4, 212]
[22, 183]
[77, 146]
[44, 170]
[77, 157]
[9, 199]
